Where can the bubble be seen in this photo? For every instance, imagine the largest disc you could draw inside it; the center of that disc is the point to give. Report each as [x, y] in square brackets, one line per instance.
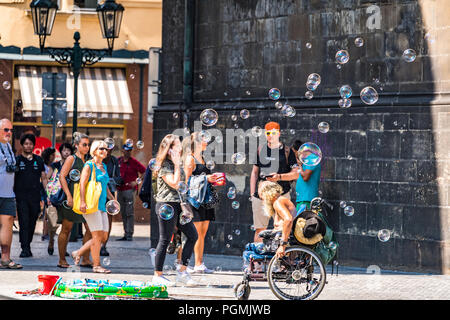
[384, 235]
[138, 180]
[106, 261]
[156, 293]
[349, 211]
[201, 76]
[210, 164]
[166, 211]
[256, 131]
[94, 121]
[231, 194]
[238, 158]
[152, 164]
[338, 66]
[89, 115]
[218, 139]
[342, 204]
[185, 217]
[292, 131]
[244, 114]
[308, 45]
[274, 94]
[218, 269]
[409, 55]
[252, 227]
[234, 117]
[225, 93]
[323, 127]
[248, 92]
[230, 237]
[236, 126]
[209, 117]
[6, 85]
[129, 143]
[140, 144]
[205, 136]
[345, 91]
[290, 111]
[278, 105]
[109, 143]
[237, 232]
[345, 103]
[182, 187]
[112, 207]
[369, 95]
[175, 115]
[309, 154]
[235, 205]
[74, 175]
[44, 93]
[332, 245]
[132, 76]
[311, 86]
[342, 56]
[314, 78]
[309, 95]
[59, 124]
[359, 42]
[145, 205]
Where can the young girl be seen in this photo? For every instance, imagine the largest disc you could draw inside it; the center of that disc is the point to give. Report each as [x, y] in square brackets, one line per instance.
[169, 174]
[280, 208]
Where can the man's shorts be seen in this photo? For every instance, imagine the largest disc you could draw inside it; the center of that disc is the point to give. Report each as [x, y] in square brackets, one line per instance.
[8, 206]
[260, 217]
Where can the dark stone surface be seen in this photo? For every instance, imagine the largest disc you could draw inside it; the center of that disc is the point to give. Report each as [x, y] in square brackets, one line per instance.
[384, 159]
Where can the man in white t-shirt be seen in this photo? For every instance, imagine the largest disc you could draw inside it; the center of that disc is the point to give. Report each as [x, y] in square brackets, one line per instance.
[7, 197]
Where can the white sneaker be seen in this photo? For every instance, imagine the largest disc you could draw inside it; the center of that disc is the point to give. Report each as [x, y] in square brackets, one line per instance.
[161, 280]
[185, 278]
[202, 269]
[189, 269]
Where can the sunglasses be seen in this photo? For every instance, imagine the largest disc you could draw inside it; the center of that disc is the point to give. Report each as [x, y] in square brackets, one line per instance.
[272, 132]
[102, 149]
[85, 144]
[7, 129]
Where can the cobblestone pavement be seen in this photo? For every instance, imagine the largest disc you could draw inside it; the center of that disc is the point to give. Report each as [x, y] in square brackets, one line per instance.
[131, 261]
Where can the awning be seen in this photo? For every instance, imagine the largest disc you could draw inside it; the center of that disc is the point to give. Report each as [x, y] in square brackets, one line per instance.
[102, 92]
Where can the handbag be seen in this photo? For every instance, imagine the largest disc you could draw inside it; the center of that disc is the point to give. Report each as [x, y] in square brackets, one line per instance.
[92, 194]
[213, 198]
[53, 185]
[59, 196]
[186, 210]
[52, 217]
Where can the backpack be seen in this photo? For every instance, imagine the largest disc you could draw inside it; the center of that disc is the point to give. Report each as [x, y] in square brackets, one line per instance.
[323, 249]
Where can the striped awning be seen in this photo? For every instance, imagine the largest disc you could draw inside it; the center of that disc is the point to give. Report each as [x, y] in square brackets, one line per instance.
[102, 92]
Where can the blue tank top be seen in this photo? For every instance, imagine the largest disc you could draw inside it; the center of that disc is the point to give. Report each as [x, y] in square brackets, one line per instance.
[103, 178]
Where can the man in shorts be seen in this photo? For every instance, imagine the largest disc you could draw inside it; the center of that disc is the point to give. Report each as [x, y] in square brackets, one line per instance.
[7, 196]
[275, 162]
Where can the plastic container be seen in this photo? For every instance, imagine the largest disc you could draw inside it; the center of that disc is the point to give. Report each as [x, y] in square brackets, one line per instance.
[48, 282]
[220, 179]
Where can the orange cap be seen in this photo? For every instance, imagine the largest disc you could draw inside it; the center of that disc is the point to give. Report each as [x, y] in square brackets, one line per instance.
[272, 125]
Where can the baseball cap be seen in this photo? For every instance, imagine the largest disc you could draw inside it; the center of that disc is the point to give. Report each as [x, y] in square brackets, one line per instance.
[272, 125]
[128, 148]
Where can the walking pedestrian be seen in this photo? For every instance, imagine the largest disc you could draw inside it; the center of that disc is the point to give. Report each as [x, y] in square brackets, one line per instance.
[66, 216]
[48, 156]
[27, 188]
[276, 163]
[97, 221]
[194, 165]
[112, 167]
[7, 197]
[65, 150]
[130, 171]
[169, 174]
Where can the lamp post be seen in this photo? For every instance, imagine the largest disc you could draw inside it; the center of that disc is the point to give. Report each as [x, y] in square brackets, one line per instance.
[110, 18]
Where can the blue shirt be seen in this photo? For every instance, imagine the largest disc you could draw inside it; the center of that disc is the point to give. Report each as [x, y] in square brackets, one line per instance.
[6, 178]
[307, 190]
[103, 178]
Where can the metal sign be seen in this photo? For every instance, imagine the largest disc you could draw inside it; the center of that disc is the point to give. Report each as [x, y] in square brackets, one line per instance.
[59, 90]
[60, 113]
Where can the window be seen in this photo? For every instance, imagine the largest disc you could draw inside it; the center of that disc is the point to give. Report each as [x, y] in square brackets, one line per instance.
[86, 4]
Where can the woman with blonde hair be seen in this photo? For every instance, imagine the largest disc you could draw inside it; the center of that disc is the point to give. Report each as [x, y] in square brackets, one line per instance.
[280, 208]
[97, 221]
[194, 165]
[169, 175]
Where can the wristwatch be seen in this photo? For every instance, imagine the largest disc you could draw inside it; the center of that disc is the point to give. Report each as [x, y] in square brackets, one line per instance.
[284, 243]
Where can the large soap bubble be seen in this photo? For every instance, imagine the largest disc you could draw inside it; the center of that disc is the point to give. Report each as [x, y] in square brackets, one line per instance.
[166, 211]
[309, 154]
[342, 56]
[369, 95]
[209, 117]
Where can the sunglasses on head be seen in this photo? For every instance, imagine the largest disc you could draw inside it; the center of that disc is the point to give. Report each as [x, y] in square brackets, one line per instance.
[272, 132]
[7, 129]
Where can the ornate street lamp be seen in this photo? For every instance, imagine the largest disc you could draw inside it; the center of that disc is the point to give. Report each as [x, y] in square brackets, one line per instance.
[110, 18]
[43, 12]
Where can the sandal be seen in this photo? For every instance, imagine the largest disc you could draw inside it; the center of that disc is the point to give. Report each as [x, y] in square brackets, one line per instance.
[10, 265]
[87, 265]
[64, 266]
[100, 269]
[76, 258]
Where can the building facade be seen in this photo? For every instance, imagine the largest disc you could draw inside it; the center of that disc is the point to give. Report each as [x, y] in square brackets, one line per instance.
[113, 99]
[388, 160]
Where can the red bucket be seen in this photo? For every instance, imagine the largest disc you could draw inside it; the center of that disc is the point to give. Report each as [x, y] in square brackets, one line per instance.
[48, 281]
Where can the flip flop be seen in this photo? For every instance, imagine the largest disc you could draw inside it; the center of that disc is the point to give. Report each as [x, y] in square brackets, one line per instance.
[90, 265]
[10, 265]
[64, 266]
[100, 269]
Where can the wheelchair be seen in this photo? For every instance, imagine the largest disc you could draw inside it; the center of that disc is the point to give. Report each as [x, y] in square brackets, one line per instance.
[299, 275]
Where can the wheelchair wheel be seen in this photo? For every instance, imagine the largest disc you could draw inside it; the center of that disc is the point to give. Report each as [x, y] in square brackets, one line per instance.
[242, 291]
[299, 275]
